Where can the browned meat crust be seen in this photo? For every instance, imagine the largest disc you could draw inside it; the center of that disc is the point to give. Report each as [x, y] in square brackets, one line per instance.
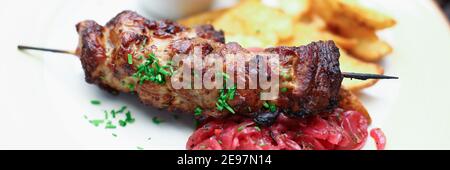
[312, 76]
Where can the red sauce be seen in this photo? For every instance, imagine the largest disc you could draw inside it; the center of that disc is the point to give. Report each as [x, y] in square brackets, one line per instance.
[379, 137]
[340, 130]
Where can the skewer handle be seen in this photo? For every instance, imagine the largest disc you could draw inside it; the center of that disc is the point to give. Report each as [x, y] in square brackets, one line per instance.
[359, 76]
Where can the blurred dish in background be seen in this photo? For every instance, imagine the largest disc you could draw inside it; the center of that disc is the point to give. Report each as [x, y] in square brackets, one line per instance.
[173, 9]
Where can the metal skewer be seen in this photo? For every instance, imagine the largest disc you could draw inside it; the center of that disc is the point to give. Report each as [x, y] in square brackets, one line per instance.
[358, 76]
[24, 47]
[363, 76]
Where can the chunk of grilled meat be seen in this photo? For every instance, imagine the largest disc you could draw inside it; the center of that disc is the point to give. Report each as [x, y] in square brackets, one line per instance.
[312, 84]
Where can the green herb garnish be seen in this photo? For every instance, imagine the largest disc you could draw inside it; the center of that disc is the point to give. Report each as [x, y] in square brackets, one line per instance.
[286, 75]
[96, 122]
[271, 107]
[131, 87]
[152, 71]
[284, 89]
[156, 120]
[108, 120]
[225, 95]
[121, 110]
[122, 123]
[198, 111]
[109, 125]
[266, 105]
[128, 118]
[113, 113]
[130, 59]
[241, 128]
[225, 75]
[95, 102]
[106, 115]
[113, 134]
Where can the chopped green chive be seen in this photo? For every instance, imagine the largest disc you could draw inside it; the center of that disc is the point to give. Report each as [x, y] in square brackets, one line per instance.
[106, 115]
[122, 123]
[285, 75]
[225, 75]
[228, 107]
[271, 107]
[109, 125]
[151, 70]
[241, 128]
[113, 113]
[257, 128]
[130, 59]
[140, 148]
[224, 97]
[108, 122]
[128, 118]
[121, 110]
[96, 122]
[95, 102]
[156, 120]
[198, 111]
[113, 134]
[131, 87]
[284, 89]
[266, 105]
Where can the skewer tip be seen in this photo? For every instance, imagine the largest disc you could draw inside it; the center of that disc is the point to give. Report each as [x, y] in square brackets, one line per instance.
[363, 76]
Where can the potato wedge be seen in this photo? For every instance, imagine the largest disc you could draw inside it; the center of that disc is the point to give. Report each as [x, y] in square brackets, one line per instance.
[371, 50]
[295, 8]
[351, 64]
[253, 18]
[365, 16]
[202, 18]
[305, 34]
[335, 11]
[368, 47]
[356, 22]
[350, 101]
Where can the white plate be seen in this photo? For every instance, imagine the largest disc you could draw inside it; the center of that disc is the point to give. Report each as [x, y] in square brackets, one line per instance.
[44, 97]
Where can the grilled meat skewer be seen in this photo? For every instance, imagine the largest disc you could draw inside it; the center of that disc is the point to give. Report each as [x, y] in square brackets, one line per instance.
[111, 58]
[313, 86]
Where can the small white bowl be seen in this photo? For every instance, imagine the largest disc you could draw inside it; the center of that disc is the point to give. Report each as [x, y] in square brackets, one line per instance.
[174, 9]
